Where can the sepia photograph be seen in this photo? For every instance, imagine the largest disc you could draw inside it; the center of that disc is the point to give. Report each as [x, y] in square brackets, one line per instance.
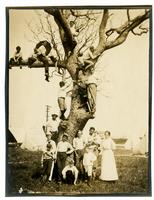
[78, 101]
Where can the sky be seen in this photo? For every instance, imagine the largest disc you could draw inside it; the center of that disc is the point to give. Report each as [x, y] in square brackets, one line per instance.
[122, 102]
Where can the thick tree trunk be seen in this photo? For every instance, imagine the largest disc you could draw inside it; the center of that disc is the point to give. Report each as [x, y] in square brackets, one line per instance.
[78, 116]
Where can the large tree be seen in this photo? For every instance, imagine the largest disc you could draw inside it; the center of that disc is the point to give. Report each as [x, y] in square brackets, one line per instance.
[94, 27]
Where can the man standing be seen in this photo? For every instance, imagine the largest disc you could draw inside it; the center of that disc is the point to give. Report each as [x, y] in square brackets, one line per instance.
[52, 127]
[79, 144]
[64, 148]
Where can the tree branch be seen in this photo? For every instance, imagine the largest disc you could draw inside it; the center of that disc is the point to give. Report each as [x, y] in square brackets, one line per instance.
[35, 35]
[67, 38]
[143, 30]
[52, 37]
[125, 29]
[102, 36]
[38, 64]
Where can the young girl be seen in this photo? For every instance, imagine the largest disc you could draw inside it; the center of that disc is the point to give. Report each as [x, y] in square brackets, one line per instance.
[88, 161]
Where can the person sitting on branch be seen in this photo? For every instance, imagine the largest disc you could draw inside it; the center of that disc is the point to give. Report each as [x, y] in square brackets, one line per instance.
[74, 30]
[41, 51]
[17, 58]
[85, 60]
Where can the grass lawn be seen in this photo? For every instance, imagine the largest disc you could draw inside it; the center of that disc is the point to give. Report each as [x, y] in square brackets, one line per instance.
[132, 171]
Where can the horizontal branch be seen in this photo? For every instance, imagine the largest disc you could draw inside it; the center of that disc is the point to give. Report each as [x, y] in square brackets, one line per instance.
[37, 64]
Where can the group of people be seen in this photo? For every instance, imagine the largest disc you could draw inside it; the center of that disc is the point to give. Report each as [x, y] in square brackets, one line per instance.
[78, 161]
[86, 67]
[42, 52]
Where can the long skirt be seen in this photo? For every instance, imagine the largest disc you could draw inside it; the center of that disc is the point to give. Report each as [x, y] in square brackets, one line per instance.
[108, 166]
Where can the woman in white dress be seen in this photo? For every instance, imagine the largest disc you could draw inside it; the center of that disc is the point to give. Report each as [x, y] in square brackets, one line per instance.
[108, 164]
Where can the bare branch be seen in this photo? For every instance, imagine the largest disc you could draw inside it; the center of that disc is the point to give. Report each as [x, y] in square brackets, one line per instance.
[52, 37]
[128, 16]
[125, 29]
[38, 64]
[35, 35]
[89, 39]
[87, 15]
[102, 36]
[143, 30]
[64, 29]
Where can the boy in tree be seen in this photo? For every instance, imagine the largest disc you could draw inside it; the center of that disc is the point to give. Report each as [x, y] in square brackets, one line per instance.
[91, 83]
[41, 51]
[85, 59]
[63, 90]
[17, 58]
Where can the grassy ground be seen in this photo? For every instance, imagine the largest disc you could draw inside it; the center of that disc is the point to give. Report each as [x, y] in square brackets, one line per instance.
[132, 171]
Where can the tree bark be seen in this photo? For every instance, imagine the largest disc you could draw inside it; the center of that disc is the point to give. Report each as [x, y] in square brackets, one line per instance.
[78, 115]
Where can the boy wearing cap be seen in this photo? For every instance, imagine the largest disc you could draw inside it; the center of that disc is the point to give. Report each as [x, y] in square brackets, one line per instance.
[46, 161]
[52, 127]
[64, 148]
[70, 173]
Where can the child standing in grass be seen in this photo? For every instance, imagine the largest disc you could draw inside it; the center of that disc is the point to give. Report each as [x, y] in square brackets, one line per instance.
[47, 158]
[88, 161]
